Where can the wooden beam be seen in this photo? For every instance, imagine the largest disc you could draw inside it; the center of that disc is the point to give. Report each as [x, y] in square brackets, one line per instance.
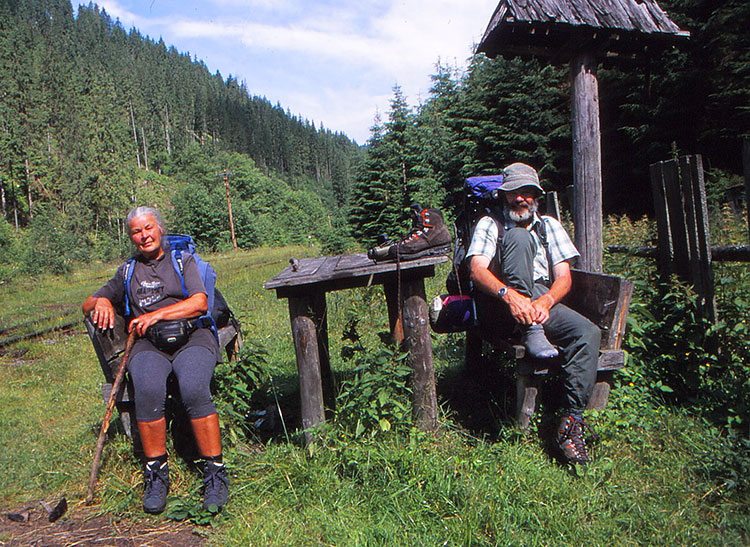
[587, 162]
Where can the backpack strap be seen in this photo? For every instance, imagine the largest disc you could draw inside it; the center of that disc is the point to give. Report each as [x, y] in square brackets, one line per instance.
[127, 274]
[179, 268]
[206, 320]
[541, 232]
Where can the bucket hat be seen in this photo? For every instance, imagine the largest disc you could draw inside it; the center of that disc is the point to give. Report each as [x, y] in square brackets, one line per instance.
[518, 175]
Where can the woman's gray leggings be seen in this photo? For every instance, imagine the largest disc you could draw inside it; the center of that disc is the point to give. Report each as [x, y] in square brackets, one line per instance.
[193, 367]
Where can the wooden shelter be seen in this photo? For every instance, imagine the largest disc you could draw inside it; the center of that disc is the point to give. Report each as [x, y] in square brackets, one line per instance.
[582, 33]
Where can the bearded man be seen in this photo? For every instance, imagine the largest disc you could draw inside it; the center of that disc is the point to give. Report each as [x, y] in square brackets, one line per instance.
[520, 268]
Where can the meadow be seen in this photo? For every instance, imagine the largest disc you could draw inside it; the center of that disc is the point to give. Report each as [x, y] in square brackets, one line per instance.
[660, 473]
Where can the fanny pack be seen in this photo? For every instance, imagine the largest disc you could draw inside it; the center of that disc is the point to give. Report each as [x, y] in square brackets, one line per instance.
[169, 336]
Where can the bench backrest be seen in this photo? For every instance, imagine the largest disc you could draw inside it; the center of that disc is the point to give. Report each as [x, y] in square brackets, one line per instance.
[604, 300]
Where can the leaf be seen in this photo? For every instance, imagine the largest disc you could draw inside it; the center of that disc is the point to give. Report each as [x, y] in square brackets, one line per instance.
[385, 425]
[666, 389]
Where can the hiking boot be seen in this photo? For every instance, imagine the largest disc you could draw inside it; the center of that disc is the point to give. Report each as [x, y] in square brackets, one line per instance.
[380, 251]
[156, 482]
[429, 236]
[536, 343]
[571, 439]
[216, 485]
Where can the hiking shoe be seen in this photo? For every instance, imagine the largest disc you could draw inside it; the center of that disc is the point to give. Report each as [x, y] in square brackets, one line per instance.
[156, 482]
[429, 236]
[216, 485]
[571, 439]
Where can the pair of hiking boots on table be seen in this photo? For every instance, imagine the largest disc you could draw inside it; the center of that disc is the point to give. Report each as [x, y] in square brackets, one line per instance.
[428, 236]
[156, 486]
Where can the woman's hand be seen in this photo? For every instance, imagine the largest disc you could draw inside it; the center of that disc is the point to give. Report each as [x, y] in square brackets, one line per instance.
[141, 323]
[100, 311]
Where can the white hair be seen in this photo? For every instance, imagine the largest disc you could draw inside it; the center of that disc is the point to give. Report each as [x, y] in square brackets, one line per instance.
[143, 210]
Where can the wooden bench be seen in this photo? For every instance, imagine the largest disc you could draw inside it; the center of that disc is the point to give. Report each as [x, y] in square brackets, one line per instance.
[109, 346]
[604, 300]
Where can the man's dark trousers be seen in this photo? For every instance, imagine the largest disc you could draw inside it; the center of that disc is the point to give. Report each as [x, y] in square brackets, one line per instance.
[577, 337]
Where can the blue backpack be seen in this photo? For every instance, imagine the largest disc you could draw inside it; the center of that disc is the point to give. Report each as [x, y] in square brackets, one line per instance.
[218, 313]
[480, 195]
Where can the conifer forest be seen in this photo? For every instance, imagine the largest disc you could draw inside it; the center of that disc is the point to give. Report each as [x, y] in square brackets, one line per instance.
[95, 118]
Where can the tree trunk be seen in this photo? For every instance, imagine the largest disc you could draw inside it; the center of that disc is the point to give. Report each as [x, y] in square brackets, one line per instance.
[145, 147]
[135, 137]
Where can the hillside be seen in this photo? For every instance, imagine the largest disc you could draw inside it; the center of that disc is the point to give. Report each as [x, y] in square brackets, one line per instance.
[90, 114]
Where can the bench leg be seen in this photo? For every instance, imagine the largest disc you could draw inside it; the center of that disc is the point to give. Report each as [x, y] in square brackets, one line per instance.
[417, 341]
[526, 391]
[602, 387]
[306, 346]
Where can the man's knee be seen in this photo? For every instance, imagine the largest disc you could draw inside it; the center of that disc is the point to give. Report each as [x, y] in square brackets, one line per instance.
[517, 237]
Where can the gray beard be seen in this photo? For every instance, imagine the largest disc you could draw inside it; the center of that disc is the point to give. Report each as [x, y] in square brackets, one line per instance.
[522, 217]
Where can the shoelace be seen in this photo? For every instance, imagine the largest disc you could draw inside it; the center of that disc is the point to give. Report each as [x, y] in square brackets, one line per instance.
[151, 476]
[576, 437]
[214, 475]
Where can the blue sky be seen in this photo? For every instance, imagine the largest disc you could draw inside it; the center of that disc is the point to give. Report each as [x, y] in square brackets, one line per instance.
[333, 62]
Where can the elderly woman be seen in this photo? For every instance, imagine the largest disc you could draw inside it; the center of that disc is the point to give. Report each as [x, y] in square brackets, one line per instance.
[156, 300]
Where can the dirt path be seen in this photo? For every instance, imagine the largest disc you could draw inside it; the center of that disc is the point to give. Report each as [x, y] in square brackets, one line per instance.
[82, 526]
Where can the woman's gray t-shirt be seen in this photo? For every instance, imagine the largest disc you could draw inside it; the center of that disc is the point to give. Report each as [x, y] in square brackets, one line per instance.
[154, 285]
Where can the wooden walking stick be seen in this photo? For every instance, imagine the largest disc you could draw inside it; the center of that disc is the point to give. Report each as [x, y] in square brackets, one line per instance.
[107, 415]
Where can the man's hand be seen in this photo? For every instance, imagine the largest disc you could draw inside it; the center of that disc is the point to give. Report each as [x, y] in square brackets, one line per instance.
[541, 306]
[520, 306]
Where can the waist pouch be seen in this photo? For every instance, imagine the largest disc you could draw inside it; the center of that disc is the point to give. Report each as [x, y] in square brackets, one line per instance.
[169, 336]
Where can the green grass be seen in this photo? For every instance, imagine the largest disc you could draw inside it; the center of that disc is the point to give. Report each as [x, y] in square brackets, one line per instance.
[653, 481]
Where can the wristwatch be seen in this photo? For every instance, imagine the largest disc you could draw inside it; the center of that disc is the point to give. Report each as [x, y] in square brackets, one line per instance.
[502, 292]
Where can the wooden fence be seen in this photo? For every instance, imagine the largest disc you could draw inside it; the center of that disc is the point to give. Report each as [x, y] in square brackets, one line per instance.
[682, 222]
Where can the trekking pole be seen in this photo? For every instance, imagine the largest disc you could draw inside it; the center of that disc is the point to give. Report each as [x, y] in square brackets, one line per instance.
[107, 415]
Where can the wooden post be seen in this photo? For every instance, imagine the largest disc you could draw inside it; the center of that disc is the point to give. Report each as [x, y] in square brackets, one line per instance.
[587, 162]
[320, 317]
[746, 169]
[417, 341]
[306, 347]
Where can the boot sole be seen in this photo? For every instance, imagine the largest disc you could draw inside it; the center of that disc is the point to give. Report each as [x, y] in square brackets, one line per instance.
[431, 251]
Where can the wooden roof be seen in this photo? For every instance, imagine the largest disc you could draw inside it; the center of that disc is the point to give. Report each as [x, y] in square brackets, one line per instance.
[556, 29]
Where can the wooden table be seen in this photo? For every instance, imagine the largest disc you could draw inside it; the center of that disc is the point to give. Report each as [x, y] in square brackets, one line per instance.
[305, 282]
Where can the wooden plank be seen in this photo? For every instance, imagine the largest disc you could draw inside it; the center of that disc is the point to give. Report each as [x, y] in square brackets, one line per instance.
[664, 234]
[604, 300]
[338, 282]
[694, 167]
[691, 223]
[677, 222]
[306, 348]
[417, 342]
[587, 170]
[329, 269]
